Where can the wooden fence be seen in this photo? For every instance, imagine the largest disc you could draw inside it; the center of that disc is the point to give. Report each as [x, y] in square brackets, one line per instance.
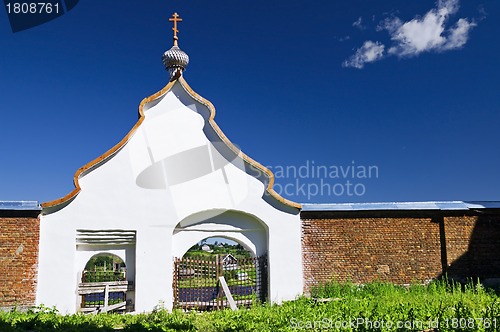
[197, 286]
[104, 291]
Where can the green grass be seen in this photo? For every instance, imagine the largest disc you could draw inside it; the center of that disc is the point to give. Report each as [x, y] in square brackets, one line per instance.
[221, 251]
[103, 276]
[455, 308]
[101, 302]
[230, 276]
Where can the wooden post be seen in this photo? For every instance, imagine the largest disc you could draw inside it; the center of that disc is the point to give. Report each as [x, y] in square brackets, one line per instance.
[200, 275]
[217, 276]
[229, 296]
[174, 283]
[106, 296]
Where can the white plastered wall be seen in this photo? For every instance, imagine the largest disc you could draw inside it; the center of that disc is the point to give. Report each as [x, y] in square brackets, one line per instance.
[168, 172]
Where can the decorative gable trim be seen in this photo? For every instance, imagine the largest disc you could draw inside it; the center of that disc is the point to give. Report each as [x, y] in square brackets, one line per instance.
[52, 206]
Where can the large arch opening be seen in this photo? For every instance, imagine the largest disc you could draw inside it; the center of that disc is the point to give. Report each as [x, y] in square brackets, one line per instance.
[211, 247]
[238, 226]
[203, 268]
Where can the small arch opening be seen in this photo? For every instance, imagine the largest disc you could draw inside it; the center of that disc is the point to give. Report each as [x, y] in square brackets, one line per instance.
[104, 267]
[104, 284]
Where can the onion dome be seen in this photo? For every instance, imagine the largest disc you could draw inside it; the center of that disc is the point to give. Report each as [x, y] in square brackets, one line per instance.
[175, 60]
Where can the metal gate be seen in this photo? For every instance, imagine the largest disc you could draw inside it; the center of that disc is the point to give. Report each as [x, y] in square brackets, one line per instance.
[197, 285]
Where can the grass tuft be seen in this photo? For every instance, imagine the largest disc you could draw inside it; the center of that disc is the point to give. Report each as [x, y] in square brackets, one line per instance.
[333, 306]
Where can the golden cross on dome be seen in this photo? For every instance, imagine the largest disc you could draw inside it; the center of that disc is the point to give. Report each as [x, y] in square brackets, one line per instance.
[175, 18]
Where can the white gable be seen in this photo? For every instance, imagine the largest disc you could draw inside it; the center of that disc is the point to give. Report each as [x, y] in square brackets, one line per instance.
[173, 179]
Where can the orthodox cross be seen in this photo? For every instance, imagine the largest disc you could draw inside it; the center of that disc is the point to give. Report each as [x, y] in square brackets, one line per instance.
[175, 18]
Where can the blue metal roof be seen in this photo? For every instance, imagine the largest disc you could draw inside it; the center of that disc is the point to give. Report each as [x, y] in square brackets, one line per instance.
[402, 206]
[20, 205]
[483, 205]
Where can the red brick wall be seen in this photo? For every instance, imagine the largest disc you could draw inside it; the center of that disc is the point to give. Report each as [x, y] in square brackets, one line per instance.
[399, 249]
[18, 260]
[458, 232]
[473, 246]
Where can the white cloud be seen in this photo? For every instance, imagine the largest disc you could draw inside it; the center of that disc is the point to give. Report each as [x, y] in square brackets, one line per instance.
[459, 34]
[428, 33]
[359, 24]
[369, 52]
[425, 34]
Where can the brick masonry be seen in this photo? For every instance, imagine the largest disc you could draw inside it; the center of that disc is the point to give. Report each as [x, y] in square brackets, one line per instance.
[416, 247]
[19, 238]
[358, 248]
[473, 246]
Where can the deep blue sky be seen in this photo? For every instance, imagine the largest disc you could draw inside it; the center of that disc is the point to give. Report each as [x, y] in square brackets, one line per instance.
[428, 118]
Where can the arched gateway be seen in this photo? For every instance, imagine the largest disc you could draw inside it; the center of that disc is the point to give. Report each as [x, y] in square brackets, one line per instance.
[197, 279]
[174, 179]
[239, 226]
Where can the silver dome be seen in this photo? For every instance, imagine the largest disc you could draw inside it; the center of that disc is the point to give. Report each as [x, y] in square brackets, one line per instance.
[175, 61]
